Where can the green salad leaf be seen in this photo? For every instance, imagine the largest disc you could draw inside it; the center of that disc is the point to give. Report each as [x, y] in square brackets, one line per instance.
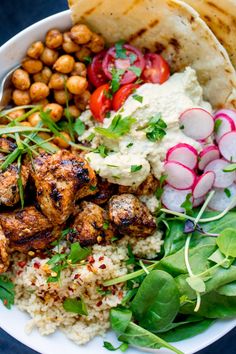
[7, 292]
[75, 306]
[118, 127]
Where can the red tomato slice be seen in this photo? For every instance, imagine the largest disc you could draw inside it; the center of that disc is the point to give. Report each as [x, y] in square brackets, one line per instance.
[100, 103]
[122, 94]
[95, 71]
[134, 59]
[157, 70]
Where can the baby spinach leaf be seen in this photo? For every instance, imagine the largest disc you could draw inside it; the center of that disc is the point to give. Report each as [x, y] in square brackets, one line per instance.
[76, 306]
[123, 347]
[7, 292]
[218, 258]
[226, 242]
[229, 220]
[186, 331]
[175, 238]
[120, 318]
[213, 305]
[196, 283]
[228, 289]
[140, 337]
[156, 309]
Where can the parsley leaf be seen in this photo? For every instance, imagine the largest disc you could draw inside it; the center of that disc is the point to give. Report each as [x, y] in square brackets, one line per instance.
[77, 253]
[102, 150]
[187, 204]
[156, 128]
[138, 98]
[75, 306]
[7, 293]
[119, 127]
[106, 225]
[115, 81]
[120, 50]
[88, 59]
[90, 137]
[227, 192]
[132, 58]
[129, 145]
[123, 347]
[136, 168]
[137, 71]
[79, 127]
[160, 189]
[131, 259]
[218, 123]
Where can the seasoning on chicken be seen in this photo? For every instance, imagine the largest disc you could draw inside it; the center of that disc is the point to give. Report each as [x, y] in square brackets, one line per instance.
[9, 190]
[4, 256]
[131, 216]
[6, 146]
[59, 179]
[149, 186]
[91, 225]
[103, 192]
[27, 229]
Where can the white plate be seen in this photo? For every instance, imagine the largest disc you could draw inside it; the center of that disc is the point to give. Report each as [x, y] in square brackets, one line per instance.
[14, 321]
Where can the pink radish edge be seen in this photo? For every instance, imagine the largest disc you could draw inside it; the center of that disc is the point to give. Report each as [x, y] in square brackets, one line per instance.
[205, 157]
[175, 180]
[226, 129]
[204, 184]
[182, 146]
[226, 112]
[226, 143]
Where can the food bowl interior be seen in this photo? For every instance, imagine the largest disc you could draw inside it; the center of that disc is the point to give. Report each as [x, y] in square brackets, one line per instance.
[14, 321]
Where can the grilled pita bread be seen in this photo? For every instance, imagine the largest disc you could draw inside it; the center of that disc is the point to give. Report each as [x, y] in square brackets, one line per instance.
[171, 28]
[220, 16]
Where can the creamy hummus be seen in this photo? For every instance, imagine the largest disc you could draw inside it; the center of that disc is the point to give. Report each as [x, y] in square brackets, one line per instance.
[182, 91]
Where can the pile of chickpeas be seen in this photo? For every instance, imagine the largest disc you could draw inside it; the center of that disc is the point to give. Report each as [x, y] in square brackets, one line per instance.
[49, 67]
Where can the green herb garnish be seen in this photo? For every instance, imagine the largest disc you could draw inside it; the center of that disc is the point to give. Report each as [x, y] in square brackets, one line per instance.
[137, 71]
[7, 292]
[138, 98]
[119, 127]
[116, 76]
[120, 50]
[136, 168]
[123, 347]
[227, 192]
[218, 123]
[79, 127]
[156, 128]
[75, 306]
[102, 150]
[187, 205]
[160, 189]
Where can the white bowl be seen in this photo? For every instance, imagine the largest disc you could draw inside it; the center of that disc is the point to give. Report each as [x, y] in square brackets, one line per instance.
[13, 321]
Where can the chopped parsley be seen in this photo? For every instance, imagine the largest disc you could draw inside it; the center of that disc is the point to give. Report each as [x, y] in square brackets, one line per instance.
[118, 127]
[79, 127]
[218, 123]
[106, 225]
[156, 128]
[138, 98]
[113, 166]
[92, 188]
[137, 71]
[107, 94]
[187, 204]
[90, 137]
[160, 189]
[136, 168]
[75, 306]
[7, 292]
[88, 59]
[120, 50]
[116, 76]
[102, 150]
[227, 192]
[129, 145]
[123, 347]
[132, 58]
[103, 292]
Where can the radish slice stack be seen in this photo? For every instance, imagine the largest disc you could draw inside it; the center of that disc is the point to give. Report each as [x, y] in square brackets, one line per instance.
[197, 174]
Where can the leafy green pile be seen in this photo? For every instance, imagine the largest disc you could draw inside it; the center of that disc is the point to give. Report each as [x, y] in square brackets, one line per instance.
[184, 292]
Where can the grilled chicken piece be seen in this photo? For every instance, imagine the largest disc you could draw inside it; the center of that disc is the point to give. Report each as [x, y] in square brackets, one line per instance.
[91, 225]
[131, 216]
[9, 190]
[149, 186]
[27, 229]
[103, 192]
[60, 179]
[6, 146]
[4, 256]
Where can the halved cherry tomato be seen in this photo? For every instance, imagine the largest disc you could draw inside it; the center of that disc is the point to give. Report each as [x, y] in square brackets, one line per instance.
[134, 59]
[100, 103]
[122, 94]
[157, 70]
[95, 71]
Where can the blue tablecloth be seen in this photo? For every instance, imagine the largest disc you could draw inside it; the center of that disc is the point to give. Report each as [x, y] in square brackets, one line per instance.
[16, 15]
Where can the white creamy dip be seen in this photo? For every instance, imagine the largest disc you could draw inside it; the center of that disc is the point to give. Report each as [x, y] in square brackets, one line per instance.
[182, 91]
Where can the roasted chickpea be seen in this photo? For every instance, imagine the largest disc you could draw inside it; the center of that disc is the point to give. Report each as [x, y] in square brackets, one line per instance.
[54, 39]
[21, 98]
[83, 53]
[49, 56]
[63, 144]
[77, 84]
[38, 91]
[57, 81]
[32, 66]
[74, 111]
[97, 43]
[64, 64]
[81, 34]
[68, 45]
[21, 79]
[79, 69]
[43, 102]
[26, 124]
[35, 50]
[60, 96]
[44, 136]
[34, 119]
[43, 76]
[82, 101]
[56, 111]
[17, 113]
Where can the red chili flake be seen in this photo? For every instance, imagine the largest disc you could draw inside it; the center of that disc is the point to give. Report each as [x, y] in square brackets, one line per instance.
[103, 266]
[99, 303]
[89, 267]
[19, 272]
[91, 259]
[76, 276]
[113, 291]
[120, 294]
[5, 302]
[21, 264]
[37, 265]
[101, 258]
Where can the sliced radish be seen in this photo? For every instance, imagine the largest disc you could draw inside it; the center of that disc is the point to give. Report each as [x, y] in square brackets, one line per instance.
[226, 125]
[183, 153]
[208, 154]
[227, 146]
[228, 113]
[198, 201]
[172, 198]
[222, 198]
[179, 176]
[204, 184]
[197, 123]
[222, 179]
